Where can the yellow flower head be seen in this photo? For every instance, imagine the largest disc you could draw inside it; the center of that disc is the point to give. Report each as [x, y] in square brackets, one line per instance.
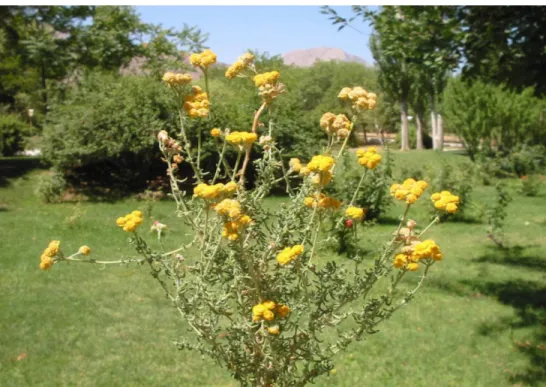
[409, 191]
[368, 158]
[46, 262]
[321, 163]
[173, 79]
[355, 213]
[326, 122]
[85, 250]
[427, 249]
[288, 254]
[359, 97]
[241, 138]
[54, 247]
[216, 132]
[240, 65]
[230, 208]
[269, 78]
[230, 187]
[322, 202]
[268, 310]
[344, 93]
[197, 104]
[445, 201]
[203, 59]
[206, 191]
[273, 330]
[129, 222]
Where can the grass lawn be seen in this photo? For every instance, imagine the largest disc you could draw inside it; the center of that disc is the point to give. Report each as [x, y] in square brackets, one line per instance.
[480, 319]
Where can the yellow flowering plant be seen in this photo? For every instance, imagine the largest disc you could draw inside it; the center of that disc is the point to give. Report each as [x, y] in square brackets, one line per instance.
[251, 284]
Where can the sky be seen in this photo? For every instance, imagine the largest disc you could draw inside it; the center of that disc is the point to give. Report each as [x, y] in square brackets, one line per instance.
[275, 29]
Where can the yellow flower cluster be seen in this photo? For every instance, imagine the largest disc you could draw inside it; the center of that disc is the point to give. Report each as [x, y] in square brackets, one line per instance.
[321, 163]
[85, 250]
[203, 59]
[322, 202]
[445, 201]
[368, 158]
[130, 222]
[269, 78]
[236, 221]
[197, 103]
[361, 99]
[319, 169]
[216, 132]
[268, 310]
[242, 138]
[295, 165]
[410, 256]
[335, 125]
[174, 79]
[427, 249]
[240, 64]
[410, 190]
[288, 254]
[205, 191]
[355, 213]
[46, 260]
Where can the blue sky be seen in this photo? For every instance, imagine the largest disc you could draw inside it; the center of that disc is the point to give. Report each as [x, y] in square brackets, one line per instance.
[275, 29]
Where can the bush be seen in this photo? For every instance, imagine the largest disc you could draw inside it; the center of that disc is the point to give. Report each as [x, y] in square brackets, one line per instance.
[492, 118]
[530, 185]
[104, 132]
[524, 160]
[249, 283]
[459, 180]
[50, 187]
[374, 193]
[13, 133]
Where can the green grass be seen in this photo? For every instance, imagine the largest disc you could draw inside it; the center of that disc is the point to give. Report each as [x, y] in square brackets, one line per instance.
[480, 319]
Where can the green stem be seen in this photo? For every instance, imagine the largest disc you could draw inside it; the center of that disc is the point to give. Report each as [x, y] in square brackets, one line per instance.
[435, 220]
[91, 260]
[220, 161]
[187, 147]
[239, 154]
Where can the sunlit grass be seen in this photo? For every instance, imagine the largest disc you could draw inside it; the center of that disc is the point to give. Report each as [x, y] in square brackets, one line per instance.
[478, 321]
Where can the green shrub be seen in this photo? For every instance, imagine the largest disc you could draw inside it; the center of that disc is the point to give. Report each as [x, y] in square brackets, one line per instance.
[104, 131]
[13, 133]
[374, 194]
[530, 185]
[459, 180]
[50, 187]
[492, 118]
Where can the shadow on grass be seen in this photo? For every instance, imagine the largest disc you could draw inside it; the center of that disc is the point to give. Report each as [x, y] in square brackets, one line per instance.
[528, 298]
[14, 167]
[512, 256]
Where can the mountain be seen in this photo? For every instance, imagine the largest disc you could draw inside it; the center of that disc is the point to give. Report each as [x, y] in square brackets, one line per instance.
[306, 58]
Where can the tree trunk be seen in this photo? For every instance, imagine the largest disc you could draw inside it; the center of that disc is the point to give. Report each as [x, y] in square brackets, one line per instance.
[433, 126]
[419, 120]
[404, 135]
[440, 131]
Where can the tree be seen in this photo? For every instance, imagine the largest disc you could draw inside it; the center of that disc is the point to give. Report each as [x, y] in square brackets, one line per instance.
[504, 44]
[412, 45]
